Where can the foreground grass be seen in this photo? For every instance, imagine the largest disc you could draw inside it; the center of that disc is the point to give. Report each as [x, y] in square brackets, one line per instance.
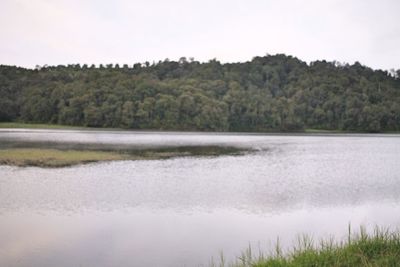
[381, 248]
[54, 157]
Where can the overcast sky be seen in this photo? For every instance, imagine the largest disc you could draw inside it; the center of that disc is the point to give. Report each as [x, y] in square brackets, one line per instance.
[38, 32]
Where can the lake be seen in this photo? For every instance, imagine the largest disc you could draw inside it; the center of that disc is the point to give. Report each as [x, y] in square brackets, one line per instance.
[186, 211]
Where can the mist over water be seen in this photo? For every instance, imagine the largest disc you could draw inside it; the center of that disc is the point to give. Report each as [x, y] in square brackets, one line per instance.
[183, 211]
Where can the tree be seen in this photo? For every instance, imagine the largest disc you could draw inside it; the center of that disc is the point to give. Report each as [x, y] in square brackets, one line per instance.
[128, 115]
[270, 93]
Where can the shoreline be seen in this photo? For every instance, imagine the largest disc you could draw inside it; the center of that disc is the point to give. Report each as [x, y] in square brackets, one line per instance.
[307, 131]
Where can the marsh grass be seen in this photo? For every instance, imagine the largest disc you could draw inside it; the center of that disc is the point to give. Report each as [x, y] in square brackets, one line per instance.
[168, 152]
[65, 155]
[380, 248]
[53, 157]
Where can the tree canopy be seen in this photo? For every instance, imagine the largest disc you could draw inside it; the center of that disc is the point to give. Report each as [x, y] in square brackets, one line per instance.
[270, 93]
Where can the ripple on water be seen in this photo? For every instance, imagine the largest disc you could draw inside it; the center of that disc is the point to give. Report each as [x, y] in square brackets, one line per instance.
[185, 210]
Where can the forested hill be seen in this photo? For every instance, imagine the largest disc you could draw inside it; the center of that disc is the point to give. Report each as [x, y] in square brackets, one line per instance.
[271, 93]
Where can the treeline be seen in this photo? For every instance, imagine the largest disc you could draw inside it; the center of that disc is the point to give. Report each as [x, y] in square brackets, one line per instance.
[271, 93]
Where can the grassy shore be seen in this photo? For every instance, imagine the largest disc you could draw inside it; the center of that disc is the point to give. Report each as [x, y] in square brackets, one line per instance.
[52, 158]
[19, 125]
[322, 131]
[380, 249]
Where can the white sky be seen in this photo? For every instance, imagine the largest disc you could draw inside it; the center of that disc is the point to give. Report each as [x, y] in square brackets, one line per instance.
[121, 31]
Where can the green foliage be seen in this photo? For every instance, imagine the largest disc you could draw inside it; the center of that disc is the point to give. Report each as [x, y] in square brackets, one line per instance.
[271, 93]
[381, 248]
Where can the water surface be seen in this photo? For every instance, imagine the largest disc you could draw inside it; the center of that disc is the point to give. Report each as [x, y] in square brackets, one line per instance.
[183, 211]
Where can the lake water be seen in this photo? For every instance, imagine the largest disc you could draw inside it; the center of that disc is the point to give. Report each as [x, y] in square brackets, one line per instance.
[185, 211]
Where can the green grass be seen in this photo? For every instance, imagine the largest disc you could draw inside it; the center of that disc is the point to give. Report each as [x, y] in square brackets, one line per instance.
[63, 157]
[323, 131]
[381, 248]
[53, 157]
[38, 126]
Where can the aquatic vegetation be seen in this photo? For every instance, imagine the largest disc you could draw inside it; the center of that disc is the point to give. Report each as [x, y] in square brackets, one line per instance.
[56, 157]
[53, 157]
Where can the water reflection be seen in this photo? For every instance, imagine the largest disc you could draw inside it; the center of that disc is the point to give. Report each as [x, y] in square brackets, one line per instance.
[140, 237]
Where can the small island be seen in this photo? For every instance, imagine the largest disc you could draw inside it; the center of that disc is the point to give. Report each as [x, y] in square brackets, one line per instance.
[56, 158]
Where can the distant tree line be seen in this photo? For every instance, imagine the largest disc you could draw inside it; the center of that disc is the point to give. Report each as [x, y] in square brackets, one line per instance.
[270, 93]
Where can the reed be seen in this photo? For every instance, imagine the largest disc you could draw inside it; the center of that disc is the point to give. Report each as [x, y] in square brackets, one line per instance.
[379, 248]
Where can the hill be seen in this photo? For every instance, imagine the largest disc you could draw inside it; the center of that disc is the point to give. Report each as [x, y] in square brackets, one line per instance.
[270, 93]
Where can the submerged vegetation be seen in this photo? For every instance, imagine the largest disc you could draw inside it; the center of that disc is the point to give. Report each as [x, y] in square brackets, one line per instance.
[381, 248]
[270, 93]
[52, 157]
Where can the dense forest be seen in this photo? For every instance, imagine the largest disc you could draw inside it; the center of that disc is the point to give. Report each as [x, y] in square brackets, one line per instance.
[270, 93]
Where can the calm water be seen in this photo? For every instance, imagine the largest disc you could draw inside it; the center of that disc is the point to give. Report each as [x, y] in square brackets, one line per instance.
[183, 211]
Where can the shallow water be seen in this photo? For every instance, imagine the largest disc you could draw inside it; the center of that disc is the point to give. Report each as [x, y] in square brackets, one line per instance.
[183, 211]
